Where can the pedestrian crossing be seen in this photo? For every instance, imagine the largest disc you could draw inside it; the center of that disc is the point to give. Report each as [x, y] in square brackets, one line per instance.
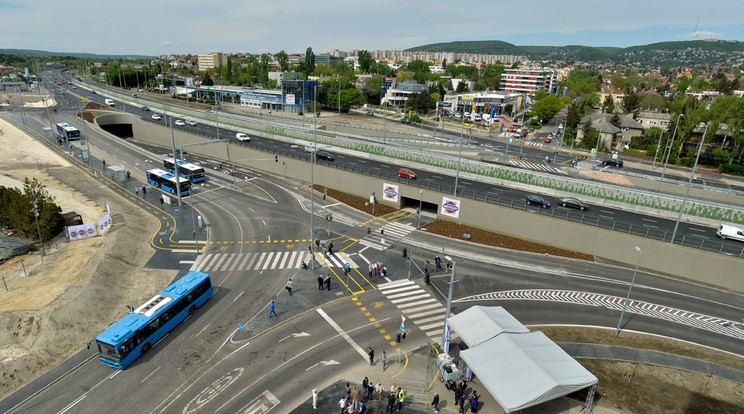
[222, 262]
[534, 144]
[539, 166]
[387, 235]
[417, 305]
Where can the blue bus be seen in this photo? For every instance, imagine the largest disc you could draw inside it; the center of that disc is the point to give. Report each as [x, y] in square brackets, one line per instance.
[193, 173]
[167, 181]
[136, 333]
[68, 132]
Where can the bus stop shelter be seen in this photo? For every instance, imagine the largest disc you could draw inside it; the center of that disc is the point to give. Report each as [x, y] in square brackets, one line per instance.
[519, 368]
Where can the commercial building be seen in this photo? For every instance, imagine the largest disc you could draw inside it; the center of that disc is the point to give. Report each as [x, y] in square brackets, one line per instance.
[494, 103]
[211, 61]
[398, 94]
[528, 80]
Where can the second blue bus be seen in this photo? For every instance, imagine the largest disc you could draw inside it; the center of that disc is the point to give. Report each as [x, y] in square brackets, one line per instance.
[193, 173]
[166, 181]
[127, 339]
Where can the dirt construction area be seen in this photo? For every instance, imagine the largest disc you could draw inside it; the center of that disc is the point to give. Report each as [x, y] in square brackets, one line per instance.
[55, 307]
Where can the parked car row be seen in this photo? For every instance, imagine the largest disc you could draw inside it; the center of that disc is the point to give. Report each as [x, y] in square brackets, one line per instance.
[571, 202]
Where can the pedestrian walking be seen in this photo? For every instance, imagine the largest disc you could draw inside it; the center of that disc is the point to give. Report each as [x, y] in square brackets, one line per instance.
[391, 403]
[383, 358]
[103, 162]
[426, 265]
[136, 191]
[342, 404]
[461, 403]
[435, 402]
[473, 404]
[272, 310]
[449, 265]
[304, 265]
[144, 190]
[377, 270]
[384, 270]
[355, 397]
[371, 269]
[320, 282]
[328, 282]
[162, 201]
[362, 407]
[288, 286]
[371, 353]
[401, 398]
[437, 264]
[378, 390]
[129, 173]
[315, 399]
[365, 383]
[330, 248]
[370, 390]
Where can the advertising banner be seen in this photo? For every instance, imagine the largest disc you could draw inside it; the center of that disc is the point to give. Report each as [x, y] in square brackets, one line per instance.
[390, 192]
[104, 223]
[82, 231]
[450, 207]
[290, 99]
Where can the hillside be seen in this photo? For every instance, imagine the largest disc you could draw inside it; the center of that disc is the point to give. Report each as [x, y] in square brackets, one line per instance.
[44, 53]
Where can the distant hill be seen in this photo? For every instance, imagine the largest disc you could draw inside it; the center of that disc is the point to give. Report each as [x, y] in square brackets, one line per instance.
[670, 52]
[43, 53]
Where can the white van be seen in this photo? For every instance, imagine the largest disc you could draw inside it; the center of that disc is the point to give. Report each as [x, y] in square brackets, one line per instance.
[110, 102]
[730, 232]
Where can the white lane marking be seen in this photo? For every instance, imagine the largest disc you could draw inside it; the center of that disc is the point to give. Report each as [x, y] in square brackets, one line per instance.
[72, 404]
[343, 334]
[200, 332]
[151, 374]
[238, 297]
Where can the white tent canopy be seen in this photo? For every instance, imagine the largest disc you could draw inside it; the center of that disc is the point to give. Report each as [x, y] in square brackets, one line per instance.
[520, 369]
[478, 324]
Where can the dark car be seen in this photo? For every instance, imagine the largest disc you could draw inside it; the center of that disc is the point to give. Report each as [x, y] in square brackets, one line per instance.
[573, 202]
[613, 162]
[538, 201]
[144, 108]
[405, 121]
[324, 155]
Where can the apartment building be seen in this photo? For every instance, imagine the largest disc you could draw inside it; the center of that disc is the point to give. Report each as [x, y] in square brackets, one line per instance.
[211, 61]
[528, 80]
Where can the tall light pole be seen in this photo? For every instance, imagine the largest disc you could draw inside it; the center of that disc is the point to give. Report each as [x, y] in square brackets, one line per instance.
[689, 184]
[421, 196]
[312, 174]
[449, 300]
[459, 159]
[632, 281]
[85, 132]
[669, 154]
[658, 145]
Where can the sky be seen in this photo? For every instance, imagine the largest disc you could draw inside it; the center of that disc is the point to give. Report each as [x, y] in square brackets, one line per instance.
[152, 28]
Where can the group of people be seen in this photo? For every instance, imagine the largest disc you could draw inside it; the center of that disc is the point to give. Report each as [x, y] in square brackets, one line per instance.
[461, 399]
[374, 269]
[353, 400]
[323, 281]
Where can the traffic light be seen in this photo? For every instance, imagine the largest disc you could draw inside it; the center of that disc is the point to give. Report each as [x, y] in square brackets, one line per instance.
[276, 158]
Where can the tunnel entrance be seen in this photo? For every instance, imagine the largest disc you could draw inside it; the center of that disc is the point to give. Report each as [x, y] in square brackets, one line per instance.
[426, 207]
[120, 130]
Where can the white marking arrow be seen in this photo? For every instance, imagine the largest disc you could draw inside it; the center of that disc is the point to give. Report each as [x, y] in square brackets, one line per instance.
[324, 363]
[294, 335]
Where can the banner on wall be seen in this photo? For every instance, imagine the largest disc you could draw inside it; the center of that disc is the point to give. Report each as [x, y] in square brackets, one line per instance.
[104, 223]
[450, 207]
[82, 231]
[390, 192]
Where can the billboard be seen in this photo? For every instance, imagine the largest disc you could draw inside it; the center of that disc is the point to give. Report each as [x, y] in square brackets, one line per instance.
[450, 207]
[82, 231]
[290, 99]
[390, 192]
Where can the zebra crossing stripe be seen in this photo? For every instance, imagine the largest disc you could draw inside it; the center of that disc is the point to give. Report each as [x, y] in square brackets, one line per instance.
[245, 259]
[408, 299]
[404, 294]
[253, 257]
[421, 302]
[427, 313]
[268, 261]
[258, 262]
[276, 260]
[439, 318]
[227, 262]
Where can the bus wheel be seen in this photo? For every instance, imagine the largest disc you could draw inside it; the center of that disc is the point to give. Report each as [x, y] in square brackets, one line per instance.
[192, 309]
[146, 347]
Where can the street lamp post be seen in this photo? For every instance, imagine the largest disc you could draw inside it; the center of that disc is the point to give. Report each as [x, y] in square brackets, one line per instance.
[449, 299]
[669, 147]
[459, 159]
[421, 195]
[312, 175]
[632, 281]
[689, 184]
[658, 145]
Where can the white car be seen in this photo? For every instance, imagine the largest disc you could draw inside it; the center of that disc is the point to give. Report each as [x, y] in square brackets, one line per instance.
[180, 123]
[242, 137]
[310, 148]
[156, 117]
[730, 232]
[190, 122]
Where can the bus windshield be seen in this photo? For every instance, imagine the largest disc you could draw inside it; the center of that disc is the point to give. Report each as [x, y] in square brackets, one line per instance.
[108, 351]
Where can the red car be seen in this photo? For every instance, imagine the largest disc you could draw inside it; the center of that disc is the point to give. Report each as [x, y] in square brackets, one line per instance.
[548, 140]
[406, 173]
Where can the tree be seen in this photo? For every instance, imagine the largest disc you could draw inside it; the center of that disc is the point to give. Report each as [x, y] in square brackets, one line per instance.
[461, 87]
[309, 65]
[16, 210]
[423, 103]
[371, 91]
[365, 60]
[283, 60]
[615, 119]
[547, 107]
[572, 117]
[589, 140]
[608, 106]
[207, 80]
[632, 103]
[350, 98]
